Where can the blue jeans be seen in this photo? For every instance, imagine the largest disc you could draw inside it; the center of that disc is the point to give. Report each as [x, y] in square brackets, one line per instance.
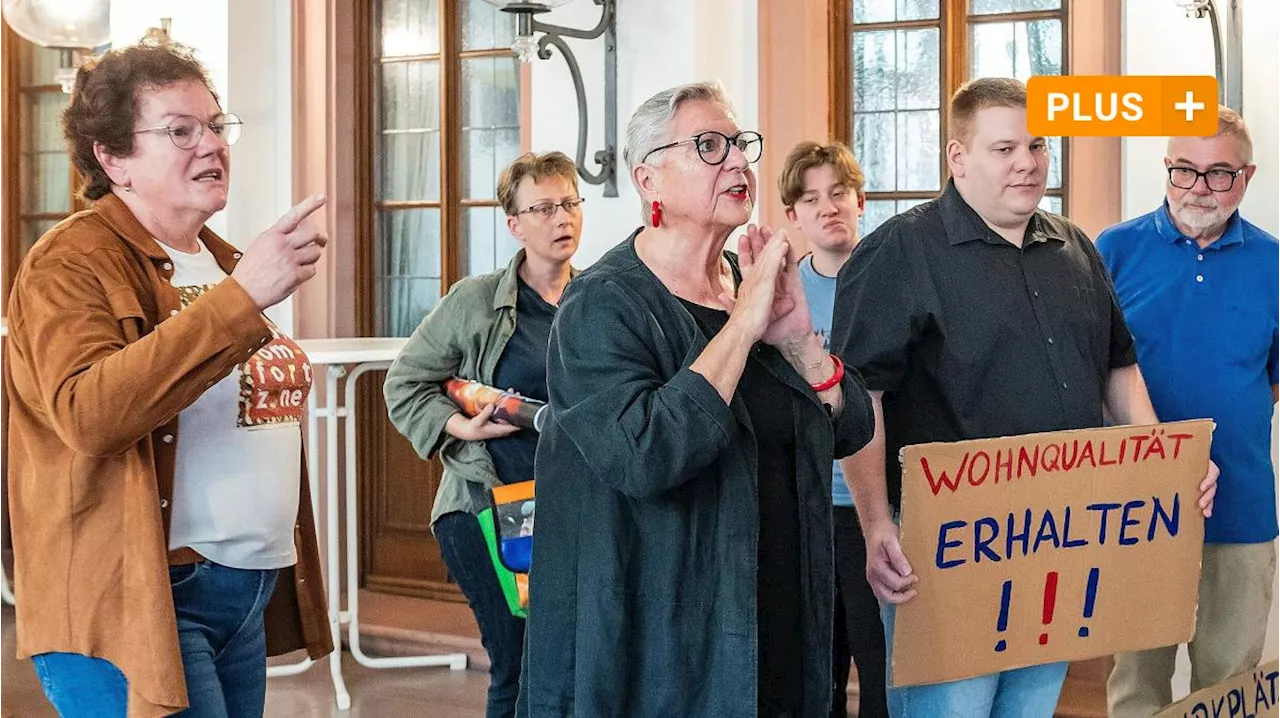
[224, 652]
[1030, 692]
[82, 687]
[464, 552]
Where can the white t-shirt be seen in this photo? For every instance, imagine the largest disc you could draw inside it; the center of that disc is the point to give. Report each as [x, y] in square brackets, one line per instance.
[235, 489]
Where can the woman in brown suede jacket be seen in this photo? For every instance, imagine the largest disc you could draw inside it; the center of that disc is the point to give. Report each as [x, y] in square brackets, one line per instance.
[157, 568]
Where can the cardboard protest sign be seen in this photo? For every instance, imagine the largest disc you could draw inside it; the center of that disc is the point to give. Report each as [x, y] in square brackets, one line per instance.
[1049, 547]
[1251, 694]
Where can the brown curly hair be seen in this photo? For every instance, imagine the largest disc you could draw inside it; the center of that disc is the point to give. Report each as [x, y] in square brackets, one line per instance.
[104, 103]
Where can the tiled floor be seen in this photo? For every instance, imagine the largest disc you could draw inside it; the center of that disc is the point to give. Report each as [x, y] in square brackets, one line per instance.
[399, 624]
[390, 693]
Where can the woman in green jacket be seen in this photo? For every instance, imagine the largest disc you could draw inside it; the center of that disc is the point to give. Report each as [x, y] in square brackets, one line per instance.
[492, 328]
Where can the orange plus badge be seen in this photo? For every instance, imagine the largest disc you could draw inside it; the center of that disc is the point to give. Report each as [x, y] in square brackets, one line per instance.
[1122, 105]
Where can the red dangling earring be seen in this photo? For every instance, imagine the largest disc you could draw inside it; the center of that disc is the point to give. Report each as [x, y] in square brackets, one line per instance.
[655, 216]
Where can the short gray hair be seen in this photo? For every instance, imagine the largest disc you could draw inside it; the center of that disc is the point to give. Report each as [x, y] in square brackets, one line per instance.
[650, 124]
[1231, 123]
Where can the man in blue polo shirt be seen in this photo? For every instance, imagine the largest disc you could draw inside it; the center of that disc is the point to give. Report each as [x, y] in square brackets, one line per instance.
[1197, 284]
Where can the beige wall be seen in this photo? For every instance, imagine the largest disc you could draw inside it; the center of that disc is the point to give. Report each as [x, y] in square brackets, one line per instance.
[794, 93]
[323, 158]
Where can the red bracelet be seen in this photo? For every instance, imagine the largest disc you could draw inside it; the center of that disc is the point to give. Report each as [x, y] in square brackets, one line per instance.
[835, 378]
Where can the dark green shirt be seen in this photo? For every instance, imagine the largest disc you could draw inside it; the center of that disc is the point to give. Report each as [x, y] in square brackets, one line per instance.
[523, 367]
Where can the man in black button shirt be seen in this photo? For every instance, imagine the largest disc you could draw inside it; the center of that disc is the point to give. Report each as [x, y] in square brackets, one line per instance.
[971, 316]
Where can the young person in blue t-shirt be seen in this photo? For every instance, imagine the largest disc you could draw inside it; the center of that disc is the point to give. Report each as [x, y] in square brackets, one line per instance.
[821, 187]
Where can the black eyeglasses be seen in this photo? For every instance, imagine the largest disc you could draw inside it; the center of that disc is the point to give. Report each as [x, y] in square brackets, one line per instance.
[713, 147]
[547, 210]
[186, 131]
[1216, 180]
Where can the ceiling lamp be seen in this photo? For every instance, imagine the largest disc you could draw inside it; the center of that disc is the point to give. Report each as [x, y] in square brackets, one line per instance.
[76, 27]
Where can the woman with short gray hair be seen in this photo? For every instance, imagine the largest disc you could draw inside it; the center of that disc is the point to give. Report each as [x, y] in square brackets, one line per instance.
[683, 560]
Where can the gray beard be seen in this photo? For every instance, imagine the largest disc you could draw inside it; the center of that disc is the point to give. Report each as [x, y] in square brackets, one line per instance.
[1200, 219]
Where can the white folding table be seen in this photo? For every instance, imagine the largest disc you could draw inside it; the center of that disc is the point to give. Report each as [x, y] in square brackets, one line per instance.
[342, 362]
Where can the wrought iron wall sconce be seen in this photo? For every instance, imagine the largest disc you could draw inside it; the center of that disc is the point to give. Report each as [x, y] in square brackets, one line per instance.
[1228, 50]
[527, 47]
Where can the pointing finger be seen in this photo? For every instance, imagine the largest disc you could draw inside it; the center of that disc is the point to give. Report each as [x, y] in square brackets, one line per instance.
[290, 220]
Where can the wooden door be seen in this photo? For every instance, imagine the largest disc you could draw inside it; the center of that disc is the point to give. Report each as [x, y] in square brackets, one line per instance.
[397, 490]
[438, 92]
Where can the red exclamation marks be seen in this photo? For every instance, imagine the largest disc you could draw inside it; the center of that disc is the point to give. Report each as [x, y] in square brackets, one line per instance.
[1050, 596]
